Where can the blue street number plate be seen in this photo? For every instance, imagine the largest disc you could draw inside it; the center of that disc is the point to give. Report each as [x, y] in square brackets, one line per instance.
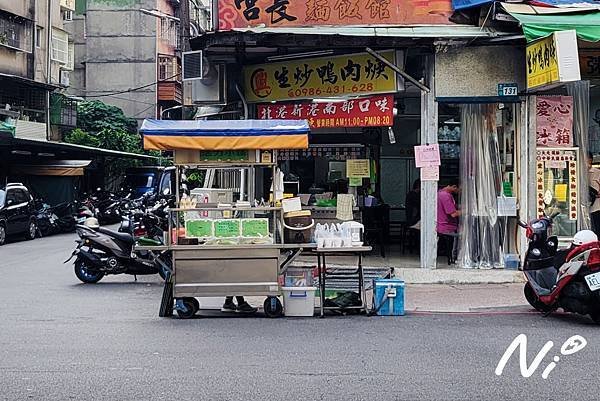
[508, 90]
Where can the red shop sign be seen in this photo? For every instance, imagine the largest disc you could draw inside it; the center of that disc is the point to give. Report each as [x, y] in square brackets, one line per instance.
[374, 111]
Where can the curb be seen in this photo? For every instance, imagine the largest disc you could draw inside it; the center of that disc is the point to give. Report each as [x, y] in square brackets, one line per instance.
[458, 276]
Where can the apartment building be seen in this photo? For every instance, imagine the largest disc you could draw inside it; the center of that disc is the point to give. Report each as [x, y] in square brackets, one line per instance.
[126, 54]
[36, 54]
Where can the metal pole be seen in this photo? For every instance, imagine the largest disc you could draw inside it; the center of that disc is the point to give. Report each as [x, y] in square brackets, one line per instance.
[429, 122]
[398, 70]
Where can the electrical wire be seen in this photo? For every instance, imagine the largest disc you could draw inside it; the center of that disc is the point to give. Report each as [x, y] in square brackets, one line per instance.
[132, 89]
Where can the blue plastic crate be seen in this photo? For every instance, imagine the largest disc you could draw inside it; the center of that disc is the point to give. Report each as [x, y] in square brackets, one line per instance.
[388, 297]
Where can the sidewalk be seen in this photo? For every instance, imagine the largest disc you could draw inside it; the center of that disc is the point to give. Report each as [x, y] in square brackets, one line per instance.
[463, 298]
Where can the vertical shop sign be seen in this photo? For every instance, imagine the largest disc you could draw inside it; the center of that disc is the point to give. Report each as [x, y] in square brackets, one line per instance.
[554, 121]
[556, 182]
[321, 77]
[551, 60]
[375, 111]
[295, 13]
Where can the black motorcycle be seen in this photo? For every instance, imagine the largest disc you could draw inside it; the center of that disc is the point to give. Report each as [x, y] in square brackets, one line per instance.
[54, 219]
[101, 251]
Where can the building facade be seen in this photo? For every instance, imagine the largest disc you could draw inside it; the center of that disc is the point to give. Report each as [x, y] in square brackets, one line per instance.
[126, 55]
[36, 55]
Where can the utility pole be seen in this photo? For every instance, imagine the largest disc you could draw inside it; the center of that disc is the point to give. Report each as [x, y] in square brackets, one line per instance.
[184, 37]
[184, 26]
[48, 64]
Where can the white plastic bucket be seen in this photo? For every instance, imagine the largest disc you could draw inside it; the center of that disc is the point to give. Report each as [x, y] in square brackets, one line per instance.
[299, 301]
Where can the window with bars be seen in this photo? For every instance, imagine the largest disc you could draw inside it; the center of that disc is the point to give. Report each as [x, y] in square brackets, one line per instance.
[168, 67]
[169, 31]
[16, 32]
[60, 46]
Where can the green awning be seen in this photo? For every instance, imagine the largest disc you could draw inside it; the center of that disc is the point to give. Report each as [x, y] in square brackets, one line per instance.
[587, 25]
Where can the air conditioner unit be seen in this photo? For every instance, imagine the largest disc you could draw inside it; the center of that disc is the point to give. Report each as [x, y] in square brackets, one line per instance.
[195, 66]
[212, 89]
[64, 78]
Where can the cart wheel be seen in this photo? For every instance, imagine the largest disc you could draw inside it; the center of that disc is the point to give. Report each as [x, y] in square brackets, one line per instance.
[273, 307]
[196, 304]
[186, 307]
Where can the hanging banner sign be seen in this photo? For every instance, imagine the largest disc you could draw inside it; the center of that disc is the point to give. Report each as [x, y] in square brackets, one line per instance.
[322, 77]
[554, 121]
[375, 111]
[295, 13]
[553, 59]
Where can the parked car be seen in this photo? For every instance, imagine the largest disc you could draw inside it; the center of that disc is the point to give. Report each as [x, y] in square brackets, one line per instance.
[17, 212]
[143, 180]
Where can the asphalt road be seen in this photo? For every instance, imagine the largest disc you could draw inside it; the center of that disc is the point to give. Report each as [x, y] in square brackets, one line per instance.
[62, 340]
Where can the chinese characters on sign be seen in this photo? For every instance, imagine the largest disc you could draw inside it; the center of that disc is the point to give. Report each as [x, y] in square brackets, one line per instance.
[375, 111]
[288, 13]
[427, 155]
[358, 168]
[541, 62]
[548, 191]
[553, 59]
[322, 77]
[554, 121]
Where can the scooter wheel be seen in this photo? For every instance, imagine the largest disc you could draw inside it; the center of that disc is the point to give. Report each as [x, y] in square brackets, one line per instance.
[533, 299]
[273, 307]
[190, 307]
[85, 275]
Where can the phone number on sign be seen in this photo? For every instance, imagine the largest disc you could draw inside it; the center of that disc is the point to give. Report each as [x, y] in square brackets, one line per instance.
[365, 121]
[330, 90]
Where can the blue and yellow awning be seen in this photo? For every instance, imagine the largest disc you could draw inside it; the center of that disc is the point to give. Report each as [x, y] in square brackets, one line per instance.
[225, 134]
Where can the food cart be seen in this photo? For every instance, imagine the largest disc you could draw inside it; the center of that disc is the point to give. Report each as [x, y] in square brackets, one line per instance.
[226, 248]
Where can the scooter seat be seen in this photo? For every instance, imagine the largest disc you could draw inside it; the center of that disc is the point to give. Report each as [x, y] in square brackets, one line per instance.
[127, 238]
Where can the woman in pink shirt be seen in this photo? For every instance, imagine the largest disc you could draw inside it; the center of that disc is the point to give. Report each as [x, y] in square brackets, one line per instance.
[447, 218]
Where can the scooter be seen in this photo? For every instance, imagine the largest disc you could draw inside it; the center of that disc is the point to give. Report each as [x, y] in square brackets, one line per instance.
[568, 278]
[101, 251]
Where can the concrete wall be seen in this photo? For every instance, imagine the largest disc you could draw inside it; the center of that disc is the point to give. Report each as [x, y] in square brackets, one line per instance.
[76, 29]
[477, 71]
[121, 54]
[13, 62]
[24, 8]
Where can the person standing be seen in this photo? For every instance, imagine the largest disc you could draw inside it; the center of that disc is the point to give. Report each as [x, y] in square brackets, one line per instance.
[413, 204]
[447, 219]
[594, 182]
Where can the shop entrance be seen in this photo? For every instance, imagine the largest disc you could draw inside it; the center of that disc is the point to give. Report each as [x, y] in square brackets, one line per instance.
[478, 146]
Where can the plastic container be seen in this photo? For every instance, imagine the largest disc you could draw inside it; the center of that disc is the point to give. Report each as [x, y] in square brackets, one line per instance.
[299, 301]
[388, 297]
[298, 277]
[511, 261]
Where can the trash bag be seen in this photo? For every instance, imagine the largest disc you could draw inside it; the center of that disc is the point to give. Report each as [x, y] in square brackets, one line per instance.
[345, 300]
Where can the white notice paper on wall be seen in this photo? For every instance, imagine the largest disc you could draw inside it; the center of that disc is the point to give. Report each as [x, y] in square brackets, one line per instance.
[507, 206]
[431, 173]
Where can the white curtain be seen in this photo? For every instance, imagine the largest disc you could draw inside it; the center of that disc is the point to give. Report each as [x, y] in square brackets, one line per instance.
[580, 91]
[481, 229]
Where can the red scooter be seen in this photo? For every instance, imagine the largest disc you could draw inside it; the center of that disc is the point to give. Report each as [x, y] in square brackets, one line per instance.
[568, 278]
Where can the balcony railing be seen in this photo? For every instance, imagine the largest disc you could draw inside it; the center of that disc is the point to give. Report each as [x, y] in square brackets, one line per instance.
[15, 32]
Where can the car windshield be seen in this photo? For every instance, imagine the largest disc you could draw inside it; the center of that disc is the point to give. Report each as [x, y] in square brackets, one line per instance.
[2, 197]
[140, 180]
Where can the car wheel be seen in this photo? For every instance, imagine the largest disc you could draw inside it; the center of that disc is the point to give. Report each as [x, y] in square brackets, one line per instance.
[31, 230]
[2, 234]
